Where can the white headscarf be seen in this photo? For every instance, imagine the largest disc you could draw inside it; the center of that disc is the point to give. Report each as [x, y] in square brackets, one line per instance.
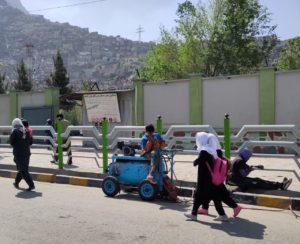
[18, 125]
[201, 140]
[212, 145]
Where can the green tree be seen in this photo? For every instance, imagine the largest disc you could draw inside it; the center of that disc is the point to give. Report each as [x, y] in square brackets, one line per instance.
[163, 62]
[220, 39]
[2, 79]
[23, 82]
[236, 39]
[60, 79]
[290, 56]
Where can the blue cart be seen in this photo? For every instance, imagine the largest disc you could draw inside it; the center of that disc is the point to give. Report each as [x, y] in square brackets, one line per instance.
[132, 171]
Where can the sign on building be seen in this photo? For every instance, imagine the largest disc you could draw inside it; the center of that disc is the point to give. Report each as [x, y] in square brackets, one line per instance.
[99, 106]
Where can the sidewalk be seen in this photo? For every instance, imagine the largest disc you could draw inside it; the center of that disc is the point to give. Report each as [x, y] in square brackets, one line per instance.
[87, 163]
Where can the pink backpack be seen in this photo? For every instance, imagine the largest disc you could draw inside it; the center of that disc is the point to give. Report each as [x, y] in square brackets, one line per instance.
[219, 173]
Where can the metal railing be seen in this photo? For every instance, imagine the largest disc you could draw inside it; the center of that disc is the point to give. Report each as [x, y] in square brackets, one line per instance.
[177, 136]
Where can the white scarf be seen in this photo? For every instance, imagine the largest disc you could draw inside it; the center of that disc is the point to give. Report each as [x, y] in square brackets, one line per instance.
[201, 140]
[18, 125]
[212, 145]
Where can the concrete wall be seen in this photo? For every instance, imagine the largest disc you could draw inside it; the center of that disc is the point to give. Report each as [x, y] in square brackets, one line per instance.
[168, 99]
[287, 99]
[236, 96]
[268, 97]
[11, 104]
[5, 109]
[30, 99]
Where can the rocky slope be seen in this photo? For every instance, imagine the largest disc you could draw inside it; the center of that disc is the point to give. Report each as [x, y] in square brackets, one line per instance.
[109, 60]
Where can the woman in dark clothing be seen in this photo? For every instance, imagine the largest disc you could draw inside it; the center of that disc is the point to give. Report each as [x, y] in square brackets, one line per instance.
[21, 141]
[205, 189]
[223, 194]
[241, 170]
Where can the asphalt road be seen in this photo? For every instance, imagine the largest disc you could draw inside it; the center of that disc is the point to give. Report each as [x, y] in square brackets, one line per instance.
[69, 214]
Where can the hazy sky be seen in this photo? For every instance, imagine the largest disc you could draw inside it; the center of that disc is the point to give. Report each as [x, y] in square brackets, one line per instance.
[123, 17]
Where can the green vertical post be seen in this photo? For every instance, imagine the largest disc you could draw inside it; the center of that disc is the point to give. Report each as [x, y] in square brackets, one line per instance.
[195, 99]
[104, 126]
[267, 92]
[13, 105]
[59, 145]
[52, 99]
[159, 127]
[138, 102]
[227, 136]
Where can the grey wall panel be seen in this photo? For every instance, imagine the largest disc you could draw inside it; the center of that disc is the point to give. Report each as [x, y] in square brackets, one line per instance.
[287, 99]
[237, 96]
[169, 99]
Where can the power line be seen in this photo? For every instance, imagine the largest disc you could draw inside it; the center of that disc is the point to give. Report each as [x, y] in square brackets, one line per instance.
[66, 6]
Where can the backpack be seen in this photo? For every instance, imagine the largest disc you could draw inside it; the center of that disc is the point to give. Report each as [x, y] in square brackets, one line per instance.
[219, 173]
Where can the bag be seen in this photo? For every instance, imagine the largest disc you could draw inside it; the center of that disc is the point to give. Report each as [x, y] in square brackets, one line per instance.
[219, 173]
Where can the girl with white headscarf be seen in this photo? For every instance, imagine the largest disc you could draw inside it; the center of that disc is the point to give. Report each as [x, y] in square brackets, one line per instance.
[205, 188]
[221, 192]
[21, 142]
[208, 145]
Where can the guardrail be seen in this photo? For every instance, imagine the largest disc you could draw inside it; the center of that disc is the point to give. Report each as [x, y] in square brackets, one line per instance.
[177, 136]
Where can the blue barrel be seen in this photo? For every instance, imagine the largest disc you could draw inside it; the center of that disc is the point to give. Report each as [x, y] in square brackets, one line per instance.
[130, 170]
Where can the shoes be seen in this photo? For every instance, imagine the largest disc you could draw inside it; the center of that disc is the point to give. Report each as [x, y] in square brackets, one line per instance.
[203, 211]
[30, 188]
[236, 211]
[286, 183]
[191, 216]
[16, 185]
[151, 179]
[222, 218]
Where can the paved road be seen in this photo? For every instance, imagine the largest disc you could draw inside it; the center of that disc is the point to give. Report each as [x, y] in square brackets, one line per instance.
[70, 214]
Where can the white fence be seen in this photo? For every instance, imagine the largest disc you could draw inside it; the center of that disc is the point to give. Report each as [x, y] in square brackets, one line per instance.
[273, 137]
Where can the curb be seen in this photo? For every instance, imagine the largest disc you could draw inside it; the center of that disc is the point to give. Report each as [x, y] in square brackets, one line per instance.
[246, 198]
[60, 179]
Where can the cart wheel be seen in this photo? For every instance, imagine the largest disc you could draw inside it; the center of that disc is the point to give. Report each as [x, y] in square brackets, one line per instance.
[147, 191]
[110, 186]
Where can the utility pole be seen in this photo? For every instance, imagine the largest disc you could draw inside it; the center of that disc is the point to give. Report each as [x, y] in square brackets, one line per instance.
[140, 30]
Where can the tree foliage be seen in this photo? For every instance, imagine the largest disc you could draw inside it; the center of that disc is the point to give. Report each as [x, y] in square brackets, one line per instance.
[23, 81]
[228, 37]
[290, 56]
[60, 79]
[2, 79]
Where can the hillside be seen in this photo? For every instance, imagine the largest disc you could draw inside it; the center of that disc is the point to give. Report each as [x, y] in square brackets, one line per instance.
[88, 56]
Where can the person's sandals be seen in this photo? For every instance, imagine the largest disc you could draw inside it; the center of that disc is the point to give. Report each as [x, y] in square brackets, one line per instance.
[222, 218]
[191, 216]
[16, 185]
[236, 211]
[30, 188]
[286, 183]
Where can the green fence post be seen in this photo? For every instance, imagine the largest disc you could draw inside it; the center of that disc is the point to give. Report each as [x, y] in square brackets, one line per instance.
[159, 128]
[104, 126]
[227, 136]
[59, 145]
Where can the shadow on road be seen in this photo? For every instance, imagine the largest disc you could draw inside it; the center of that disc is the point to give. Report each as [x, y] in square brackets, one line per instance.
[240, 228]
[70, 166]
[164, 204]
[28, 194]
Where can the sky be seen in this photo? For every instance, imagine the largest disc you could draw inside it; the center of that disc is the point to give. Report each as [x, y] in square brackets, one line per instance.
[123, 17]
